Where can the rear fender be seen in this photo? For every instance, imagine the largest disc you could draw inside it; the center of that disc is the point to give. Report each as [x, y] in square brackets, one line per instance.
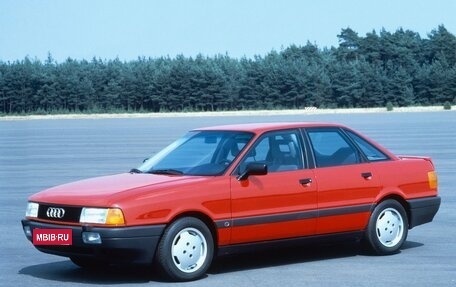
[426, 158]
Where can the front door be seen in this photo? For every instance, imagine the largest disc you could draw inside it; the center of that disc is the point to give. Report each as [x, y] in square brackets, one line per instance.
[280, 204]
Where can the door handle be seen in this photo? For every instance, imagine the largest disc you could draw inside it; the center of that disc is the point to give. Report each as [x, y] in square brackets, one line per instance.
[305, 181]
[367, 175]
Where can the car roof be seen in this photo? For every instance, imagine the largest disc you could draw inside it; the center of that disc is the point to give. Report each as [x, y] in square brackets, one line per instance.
[263, 127]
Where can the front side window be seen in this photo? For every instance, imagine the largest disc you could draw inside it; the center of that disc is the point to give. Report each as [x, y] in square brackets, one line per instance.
[331, 148]
[280, 151]
[198, 153]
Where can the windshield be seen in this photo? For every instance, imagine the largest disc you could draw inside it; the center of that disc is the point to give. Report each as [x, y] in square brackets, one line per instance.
[198, 153]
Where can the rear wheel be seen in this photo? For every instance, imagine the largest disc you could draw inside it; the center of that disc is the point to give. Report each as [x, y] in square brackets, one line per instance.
[388, 227]
[186, 249]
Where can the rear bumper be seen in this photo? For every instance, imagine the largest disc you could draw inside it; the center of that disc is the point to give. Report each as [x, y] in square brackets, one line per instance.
[118, 245]
[423, 210]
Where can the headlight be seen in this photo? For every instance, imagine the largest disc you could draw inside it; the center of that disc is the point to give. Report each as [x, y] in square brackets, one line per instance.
[32, 209]
[111, 216]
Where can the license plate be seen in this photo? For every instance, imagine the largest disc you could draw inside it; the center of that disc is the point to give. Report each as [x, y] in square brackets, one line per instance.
[52, 236]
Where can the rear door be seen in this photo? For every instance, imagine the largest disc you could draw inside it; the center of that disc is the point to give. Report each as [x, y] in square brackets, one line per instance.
[280, 204]
[347, 182]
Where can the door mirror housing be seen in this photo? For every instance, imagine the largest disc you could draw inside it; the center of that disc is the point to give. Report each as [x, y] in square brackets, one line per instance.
[253, 168]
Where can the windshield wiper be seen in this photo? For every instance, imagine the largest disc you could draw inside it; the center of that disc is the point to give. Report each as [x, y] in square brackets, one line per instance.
[168, 171]
[135, 170]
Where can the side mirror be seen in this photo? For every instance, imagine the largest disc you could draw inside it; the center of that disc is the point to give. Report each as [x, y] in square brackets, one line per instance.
[253, 168]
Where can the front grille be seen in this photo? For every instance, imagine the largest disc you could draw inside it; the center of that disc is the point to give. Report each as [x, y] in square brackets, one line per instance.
[59, 213]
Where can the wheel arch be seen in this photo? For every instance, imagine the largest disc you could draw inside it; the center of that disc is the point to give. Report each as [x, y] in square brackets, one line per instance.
[206, 219]
[399, 199]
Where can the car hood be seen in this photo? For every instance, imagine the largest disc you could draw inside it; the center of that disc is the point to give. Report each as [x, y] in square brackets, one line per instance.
[103, 191]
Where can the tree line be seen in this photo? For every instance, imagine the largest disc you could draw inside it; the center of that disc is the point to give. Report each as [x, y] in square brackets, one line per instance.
[399, 68]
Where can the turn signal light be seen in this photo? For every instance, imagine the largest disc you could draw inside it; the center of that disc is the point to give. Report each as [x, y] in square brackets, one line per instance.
[115, 217]
[432, 179]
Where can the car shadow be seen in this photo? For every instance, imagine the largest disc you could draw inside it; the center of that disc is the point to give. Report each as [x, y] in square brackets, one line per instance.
[294, 255]
[411, 244]
[283, 256]
[66, 271]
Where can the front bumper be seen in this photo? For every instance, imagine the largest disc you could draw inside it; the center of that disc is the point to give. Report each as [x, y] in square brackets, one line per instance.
[118, 245]
[423, 210]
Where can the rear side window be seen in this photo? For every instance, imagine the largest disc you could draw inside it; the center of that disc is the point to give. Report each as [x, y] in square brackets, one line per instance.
[371, 152]
[331, 148]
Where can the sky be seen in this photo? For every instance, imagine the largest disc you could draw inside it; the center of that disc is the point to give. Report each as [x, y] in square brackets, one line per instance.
[109, 29]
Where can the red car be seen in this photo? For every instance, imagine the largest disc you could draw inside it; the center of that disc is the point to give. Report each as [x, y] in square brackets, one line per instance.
[218, 190]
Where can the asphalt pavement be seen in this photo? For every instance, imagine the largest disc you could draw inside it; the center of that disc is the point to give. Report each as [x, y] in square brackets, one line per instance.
[36, 154]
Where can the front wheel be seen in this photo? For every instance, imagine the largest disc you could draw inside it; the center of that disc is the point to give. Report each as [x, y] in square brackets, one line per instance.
[388, 227]
[186, 249]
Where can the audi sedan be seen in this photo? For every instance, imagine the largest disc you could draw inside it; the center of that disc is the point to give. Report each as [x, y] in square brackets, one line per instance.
[221, 189]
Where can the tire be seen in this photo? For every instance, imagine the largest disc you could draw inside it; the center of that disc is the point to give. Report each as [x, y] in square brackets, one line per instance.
[185, 250]
[388, 227]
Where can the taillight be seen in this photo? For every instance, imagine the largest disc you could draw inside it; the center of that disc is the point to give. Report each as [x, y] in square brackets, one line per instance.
[432, 179]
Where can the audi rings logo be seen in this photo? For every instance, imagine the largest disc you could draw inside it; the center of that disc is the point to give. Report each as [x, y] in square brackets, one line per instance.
[55, 212]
